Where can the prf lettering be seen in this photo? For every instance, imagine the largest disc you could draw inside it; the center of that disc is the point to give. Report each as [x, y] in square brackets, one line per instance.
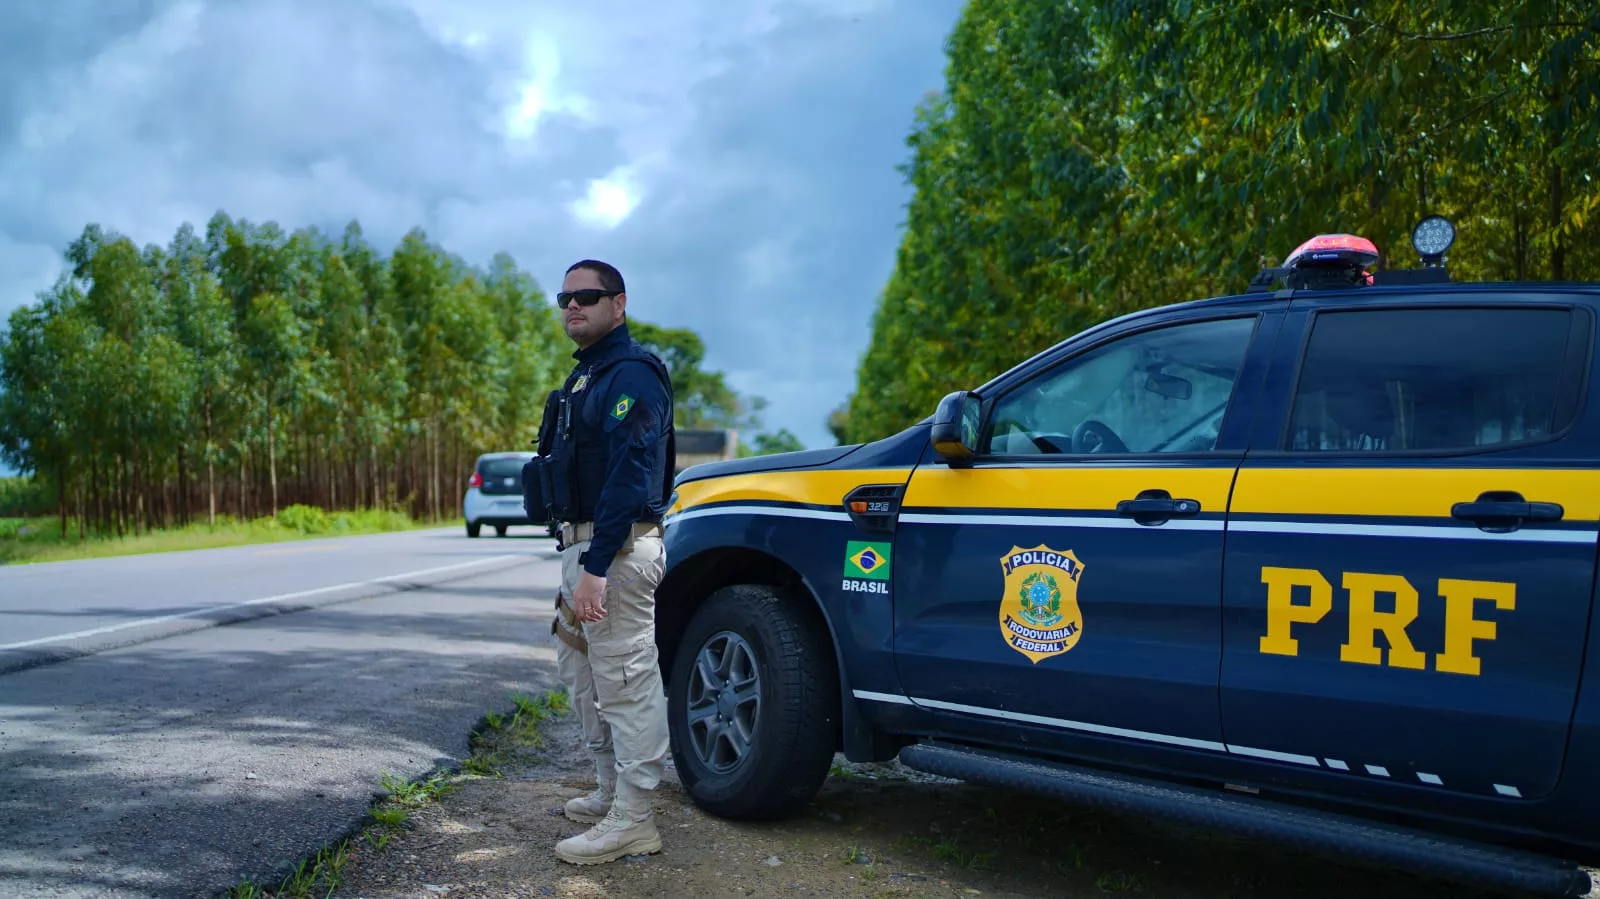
[1461, 627]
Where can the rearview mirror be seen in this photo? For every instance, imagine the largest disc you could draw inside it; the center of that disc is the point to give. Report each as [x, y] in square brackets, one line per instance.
[1170, 386]
[954, 434]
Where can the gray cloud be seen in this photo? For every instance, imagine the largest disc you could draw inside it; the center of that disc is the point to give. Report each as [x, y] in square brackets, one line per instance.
[758, 147]
[795, 202]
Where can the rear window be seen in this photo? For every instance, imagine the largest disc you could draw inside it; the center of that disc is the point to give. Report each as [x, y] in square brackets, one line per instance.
[501, 468]
[1397, 380]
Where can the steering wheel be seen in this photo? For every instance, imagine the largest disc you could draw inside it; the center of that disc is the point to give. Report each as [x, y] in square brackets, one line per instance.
[1094, 437]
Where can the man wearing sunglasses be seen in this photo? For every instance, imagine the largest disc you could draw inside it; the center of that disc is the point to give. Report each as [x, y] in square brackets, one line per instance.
[611, 457]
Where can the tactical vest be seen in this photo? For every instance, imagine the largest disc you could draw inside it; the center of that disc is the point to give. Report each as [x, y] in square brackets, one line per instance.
[576, 446]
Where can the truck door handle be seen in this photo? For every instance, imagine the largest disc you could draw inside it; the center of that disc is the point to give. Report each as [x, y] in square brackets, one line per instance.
[1157, 507]
[1503, 511]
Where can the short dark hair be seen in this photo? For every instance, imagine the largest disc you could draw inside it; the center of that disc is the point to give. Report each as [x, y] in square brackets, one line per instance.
[610, 278]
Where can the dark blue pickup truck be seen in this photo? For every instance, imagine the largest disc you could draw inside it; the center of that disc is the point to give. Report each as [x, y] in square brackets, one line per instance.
[1315, 562]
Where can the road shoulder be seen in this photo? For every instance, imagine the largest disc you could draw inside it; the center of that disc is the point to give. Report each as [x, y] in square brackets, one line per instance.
[873, 831]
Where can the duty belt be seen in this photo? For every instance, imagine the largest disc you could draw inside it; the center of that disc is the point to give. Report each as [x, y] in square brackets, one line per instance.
[580, 531]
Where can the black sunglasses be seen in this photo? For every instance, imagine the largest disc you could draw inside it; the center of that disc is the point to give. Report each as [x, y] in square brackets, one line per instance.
[586, 297]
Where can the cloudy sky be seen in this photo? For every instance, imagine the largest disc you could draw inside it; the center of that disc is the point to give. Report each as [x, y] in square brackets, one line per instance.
[735, 158]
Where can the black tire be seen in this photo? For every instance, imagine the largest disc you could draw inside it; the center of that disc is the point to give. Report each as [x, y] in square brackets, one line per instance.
[499, 530]
[795, 720]
[472, 528]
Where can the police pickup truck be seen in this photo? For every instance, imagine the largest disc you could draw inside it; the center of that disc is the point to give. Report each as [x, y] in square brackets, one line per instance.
[1315, 562]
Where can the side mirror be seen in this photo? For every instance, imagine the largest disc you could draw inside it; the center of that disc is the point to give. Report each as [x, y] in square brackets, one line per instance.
[954, 434]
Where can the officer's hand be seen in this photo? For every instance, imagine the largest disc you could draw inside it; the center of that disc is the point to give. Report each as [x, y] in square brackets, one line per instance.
[589, 599]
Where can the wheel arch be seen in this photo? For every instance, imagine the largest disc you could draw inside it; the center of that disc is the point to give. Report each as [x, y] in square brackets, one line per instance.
[689, 583]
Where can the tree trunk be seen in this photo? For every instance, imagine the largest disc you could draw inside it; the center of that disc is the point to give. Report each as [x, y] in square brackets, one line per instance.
[61, 495]
[183, 485]
[454, 468]
[245, 509]
[135, 493]
[272, 455]
[211, 469]
[140, 519]
[94, 489]
[121, 494]
[1521, 245]
[1558, 249]
[433, 468]
[331, 471]
[414, 477]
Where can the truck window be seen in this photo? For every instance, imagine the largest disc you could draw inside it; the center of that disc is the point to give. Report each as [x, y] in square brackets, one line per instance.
[1159, 391]
[1443, 378]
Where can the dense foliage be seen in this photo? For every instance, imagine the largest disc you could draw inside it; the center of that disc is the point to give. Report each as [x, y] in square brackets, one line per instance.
[247, 370]
[1088, 159]
[25, 497]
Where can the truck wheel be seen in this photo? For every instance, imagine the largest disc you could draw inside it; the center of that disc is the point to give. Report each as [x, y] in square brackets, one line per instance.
[752, 705]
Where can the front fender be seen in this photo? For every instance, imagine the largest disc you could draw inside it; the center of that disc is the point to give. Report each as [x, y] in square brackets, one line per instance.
[801, 549]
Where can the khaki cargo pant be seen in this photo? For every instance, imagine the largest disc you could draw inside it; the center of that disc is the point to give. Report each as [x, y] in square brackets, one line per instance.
[616, 679]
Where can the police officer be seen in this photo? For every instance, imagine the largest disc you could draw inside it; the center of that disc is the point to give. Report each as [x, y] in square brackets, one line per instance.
[605, 472]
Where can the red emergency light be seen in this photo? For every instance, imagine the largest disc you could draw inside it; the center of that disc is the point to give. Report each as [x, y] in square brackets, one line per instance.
[1333, 251]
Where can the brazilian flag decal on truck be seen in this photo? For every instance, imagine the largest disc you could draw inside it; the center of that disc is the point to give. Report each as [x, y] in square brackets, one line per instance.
[866, 567]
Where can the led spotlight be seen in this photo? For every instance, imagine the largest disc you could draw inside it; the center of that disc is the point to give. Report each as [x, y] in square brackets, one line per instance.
[1432, 237]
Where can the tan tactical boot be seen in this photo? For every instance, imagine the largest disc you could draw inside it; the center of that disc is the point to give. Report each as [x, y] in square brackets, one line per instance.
[592, 808]
[628, 829]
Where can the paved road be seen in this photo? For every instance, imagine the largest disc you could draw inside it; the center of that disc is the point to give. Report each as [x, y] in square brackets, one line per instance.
[50, 611]
[171, 766]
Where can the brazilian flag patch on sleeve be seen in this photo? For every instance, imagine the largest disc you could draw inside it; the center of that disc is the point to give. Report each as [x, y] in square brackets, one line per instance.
[619, 411]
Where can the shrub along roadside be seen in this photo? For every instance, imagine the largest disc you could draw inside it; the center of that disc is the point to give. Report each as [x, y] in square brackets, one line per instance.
[25, 496]
[39, 539]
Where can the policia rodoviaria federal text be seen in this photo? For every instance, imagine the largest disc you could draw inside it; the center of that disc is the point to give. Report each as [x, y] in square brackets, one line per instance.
[604, 471]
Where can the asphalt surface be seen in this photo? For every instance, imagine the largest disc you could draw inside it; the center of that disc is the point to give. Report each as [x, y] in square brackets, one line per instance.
[55, 610]
[170, 759]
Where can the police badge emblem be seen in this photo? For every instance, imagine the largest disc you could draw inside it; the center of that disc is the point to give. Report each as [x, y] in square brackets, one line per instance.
[1039, 613]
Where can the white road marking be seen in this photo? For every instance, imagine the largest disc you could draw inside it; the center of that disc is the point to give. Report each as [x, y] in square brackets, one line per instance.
[112, 628]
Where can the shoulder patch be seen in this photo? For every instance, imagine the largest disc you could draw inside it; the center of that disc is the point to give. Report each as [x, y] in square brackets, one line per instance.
[619, 410]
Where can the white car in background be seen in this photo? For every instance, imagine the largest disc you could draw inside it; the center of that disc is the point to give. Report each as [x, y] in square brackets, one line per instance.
[494, 493]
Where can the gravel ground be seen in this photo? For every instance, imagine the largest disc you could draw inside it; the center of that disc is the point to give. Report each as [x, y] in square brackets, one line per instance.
[873, 831]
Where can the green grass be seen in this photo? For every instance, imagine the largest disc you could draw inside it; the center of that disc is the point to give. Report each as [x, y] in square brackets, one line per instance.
[39, 539]
[504, 740]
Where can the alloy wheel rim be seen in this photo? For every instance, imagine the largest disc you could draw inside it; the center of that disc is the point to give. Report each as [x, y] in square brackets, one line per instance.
[724, 702]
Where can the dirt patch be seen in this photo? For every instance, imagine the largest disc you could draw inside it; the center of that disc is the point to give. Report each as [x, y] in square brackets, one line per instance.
[873, 831]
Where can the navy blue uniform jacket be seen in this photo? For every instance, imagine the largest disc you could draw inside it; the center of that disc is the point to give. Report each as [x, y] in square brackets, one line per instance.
[632, 409]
